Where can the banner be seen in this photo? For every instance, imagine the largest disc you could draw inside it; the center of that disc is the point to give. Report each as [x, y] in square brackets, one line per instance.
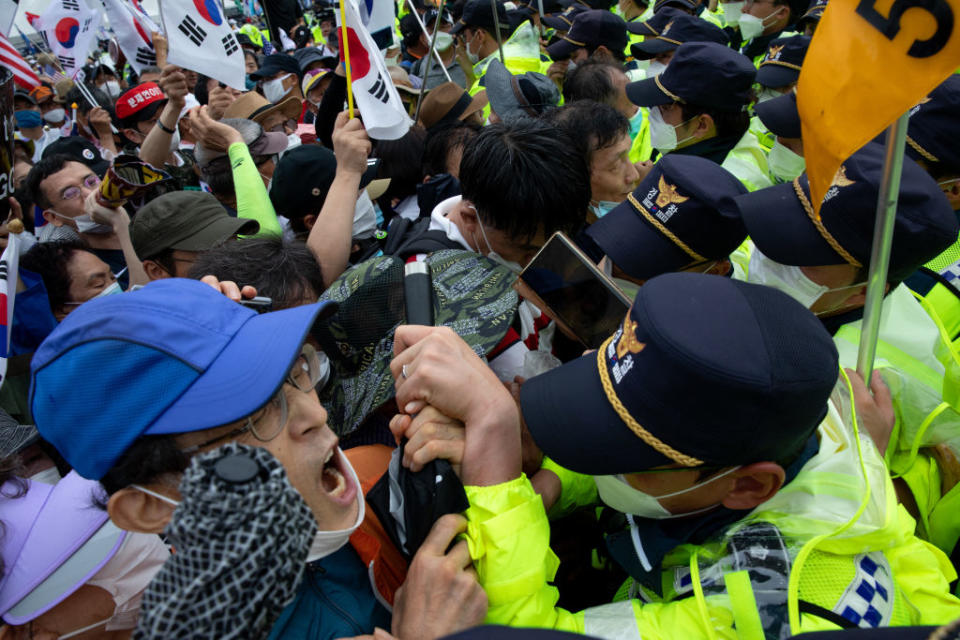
[200, 39]
[9, 270]
[135, 43]
[69, 28]
[384, 116]
[892, 55]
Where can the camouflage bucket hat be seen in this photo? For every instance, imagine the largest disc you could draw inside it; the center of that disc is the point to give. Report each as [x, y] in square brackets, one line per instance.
[473, 296]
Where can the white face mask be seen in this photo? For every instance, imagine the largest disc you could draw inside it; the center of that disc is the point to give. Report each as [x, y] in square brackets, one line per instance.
[112, 88]
[602, 208]
[55, 116]
[109, 291]
[444, 41]
[751, 26]
[791, 280]
[732, 12]
[326, 543]
[493, 255]
[85, 224]
[273, 89]
[784, 164]
[47, 476]
[663, 136]
[766, 93]
[364, 217]
[655, 68]
[474, 58]
[125, 577]
[618, 494]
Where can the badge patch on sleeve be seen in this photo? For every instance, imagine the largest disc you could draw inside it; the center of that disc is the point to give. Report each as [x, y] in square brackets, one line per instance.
[868, 600]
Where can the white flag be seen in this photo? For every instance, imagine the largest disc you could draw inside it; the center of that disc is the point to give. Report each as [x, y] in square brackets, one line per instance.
[373, 92]
[201, 40]
[9, 274]
[69, 28]
[135, 43]
[8, 11]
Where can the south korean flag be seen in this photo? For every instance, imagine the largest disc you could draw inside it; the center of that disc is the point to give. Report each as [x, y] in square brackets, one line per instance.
[201, 40]
[134, 41]
[69, 27]
[384, 116]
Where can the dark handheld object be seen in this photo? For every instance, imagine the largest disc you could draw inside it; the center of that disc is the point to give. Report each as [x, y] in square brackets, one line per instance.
[418, 293]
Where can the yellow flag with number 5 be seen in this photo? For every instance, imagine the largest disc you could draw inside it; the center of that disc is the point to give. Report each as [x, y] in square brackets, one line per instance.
[870, 61]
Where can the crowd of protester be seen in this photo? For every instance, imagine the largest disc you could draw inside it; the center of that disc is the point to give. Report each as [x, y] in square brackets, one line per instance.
[221, 420]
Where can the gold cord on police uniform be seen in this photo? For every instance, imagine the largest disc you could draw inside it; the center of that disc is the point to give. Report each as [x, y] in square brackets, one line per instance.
[818, 223]
[650, 439]
[662, 229]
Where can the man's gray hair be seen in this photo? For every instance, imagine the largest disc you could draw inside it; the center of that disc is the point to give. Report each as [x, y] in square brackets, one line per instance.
[249, 129]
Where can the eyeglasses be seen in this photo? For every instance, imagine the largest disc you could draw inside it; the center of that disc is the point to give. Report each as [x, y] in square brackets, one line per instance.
[267, 423]
[90, 182]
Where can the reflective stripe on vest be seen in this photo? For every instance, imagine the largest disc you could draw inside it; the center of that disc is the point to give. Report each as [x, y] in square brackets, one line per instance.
[615, 621]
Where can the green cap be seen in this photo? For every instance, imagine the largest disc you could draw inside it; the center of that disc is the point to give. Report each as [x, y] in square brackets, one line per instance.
[185, 220]
[472, 295]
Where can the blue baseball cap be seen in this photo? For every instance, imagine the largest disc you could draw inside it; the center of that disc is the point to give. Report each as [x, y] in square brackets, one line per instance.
[681, 29]
[591, 29]
[173, 357]
[704, 370]
[652, 26]
[781, 222]
[782, 61]
[707, 74]
[674, 219]
[934, 126]
[780, 115]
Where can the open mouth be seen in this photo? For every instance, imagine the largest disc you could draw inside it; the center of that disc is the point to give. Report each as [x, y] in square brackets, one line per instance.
[334, 479]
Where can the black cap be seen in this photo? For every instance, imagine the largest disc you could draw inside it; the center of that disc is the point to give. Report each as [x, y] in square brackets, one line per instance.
[591, 4]
[934, 126]
[760, 366]
[781, 63]
[410, 29]
[274, 64]
[683, 28]
[813, 14]
[563, 21]
[430, 16]
[680, 215]
[302, 179]
[781, 223]
[780, 116]
[652, 26]
[550, 7]
[689, 5]
[245, 41]
[479, 14]
[79, 149]
[24, 95]
[701, 73]
[307, 56]
[591, 29]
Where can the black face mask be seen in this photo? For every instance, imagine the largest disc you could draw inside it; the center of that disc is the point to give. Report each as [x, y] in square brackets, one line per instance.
[436, 190]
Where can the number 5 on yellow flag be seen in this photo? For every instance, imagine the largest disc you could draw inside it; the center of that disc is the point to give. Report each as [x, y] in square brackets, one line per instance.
[869, 62]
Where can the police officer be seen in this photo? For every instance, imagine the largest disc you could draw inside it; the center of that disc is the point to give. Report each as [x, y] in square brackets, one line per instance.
[479, 41]
[762, 21]
[683, 28]
[595, 33]
[675, 220]
[748, 507]
[778, 73]
[807, 24]
[779, 116]
[700, 100]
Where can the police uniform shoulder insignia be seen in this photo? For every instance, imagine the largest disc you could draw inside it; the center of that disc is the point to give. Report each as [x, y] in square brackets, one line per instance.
[668, 194]
[628, 342]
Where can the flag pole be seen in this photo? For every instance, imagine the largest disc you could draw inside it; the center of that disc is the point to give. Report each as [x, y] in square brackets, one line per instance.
[345, 45]
[423, 27]
[496, 25]
[882, 240]
[433, 45]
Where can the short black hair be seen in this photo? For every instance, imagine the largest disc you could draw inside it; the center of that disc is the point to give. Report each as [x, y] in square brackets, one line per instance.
[524, 177]
[75, 96]
[443, 139]
[400, 161]
[591, 81]
[49, 260]
[285, 271]
[40, 172]
[728, 123]
[144, 462]
[590, 125]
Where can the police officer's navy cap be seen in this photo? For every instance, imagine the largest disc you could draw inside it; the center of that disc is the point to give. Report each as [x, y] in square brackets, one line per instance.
[678, 216]
[782, 224]
[590, 4]
[781, 63]
[813, 13]
[705, 74]
[683, 28]
[550, 7]
[704, 370]
[174, 357]
[934, 126]
[655, 23]
[563, 21]
[479, 14]
[780, 116]
[591, 29]
[689, 5]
